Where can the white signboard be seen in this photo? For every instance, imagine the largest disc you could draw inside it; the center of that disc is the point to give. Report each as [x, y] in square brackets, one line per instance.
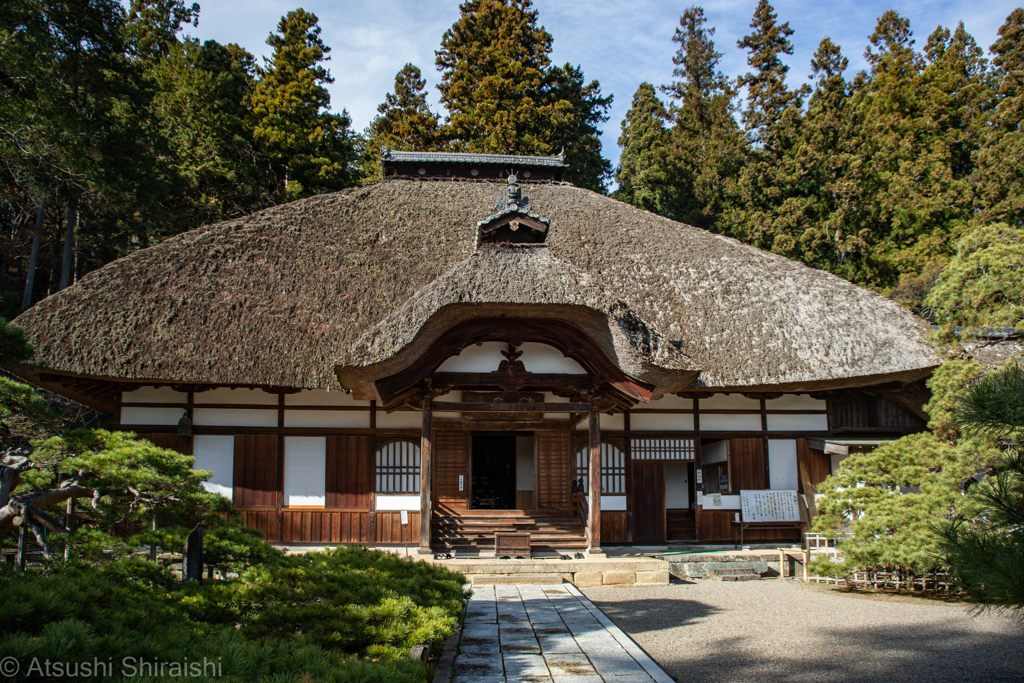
[769, 506]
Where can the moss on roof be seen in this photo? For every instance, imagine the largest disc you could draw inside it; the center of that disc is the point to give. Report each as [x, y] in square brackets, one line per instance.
[276, 298]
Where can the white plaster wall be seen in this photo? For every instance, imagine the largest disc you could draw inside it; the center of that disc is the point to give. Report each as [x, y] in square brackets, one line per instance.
[798, 423]
[714, 452]
[305, 470]
[150, 416]
[677, 485]
[729, 423]
[782, 469]
[322, 397]
[639, 421]
[327, 418]
[217, 454]
[836, 459]
[536, 357]
[541, 358]
[233, 417]
[669, 401]
[154, 395]
[612, 503]
[473, 358]
[397, 502]
[524, 463]
[730, 402]
[400, 419]
[795, 402]
[616, 421]
[244, 396]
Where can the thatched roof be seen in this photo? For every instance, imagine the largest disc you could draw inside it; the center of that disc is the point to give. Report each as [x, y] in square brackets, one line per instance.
[279, 297]
[524, 282]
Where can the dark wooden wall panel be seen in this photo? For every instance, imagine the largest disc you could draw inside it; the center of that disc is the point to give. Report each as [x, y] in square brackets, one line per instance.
[389, 529]
[746, 465]
[182, 444]
[451, 459]
[264, 521]
[715, 526]
[812, 463]
[648, 502]
[553, 477]
[325, 526]
[613, 527]
[255, 481]
[349, 471]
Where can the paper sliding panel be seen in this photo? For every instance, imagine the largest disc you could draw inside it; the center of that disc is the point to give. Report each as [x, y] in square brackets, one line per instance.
[305, 470]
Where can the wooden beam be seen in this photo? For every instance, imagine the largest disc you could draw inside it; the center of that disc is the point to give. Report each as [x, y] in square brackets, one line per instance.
[426, 448]
[594, 518]
[453, 407]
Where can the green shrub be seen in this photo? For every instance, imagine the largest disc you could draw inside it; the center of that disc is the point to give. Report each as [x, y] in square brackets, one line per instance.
[347, 614]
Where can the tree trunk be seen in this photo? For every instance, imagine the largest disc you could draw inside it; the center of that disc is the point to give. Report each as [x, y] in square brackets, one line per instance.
[69, 240]
[30, 280]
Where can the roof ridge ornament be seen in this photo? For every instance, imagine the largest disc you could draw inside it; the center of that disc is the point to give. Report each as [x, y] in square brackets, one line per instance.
[512, 211]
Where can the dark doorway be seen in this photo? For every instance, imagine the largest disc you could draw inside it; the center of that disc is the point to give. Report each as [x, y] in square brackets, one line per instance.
[494, 472]
[648, 502]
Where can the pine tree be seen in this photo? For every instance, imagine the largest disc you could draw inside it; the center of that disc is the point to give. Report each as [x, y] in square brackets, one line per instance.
[706, 144]
[772, 119]
[404, 121]
[310, 149]
[985, 550]
[642, 176]
[1000, 161]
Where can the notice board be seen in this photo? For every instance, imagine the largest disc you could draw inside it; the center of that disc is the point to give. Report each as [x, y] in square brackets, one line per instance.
[769, 506]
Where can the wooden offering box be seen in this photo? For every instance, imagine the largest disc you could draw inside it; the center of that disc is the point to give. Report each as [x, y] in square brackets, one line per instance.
[511, 544]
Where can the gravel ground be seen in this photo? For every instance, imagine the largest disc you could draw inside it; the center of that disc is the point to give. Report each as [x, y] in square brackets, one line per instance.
[787, 631]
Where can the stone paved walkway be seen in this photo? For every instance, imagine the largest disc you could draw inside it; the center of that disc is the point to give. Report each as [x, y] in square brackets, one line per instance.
[545, 634]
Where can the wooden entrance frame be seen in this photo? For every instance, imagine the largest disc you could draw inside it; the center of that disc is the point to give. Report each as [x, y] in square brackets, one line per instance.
[604, 388]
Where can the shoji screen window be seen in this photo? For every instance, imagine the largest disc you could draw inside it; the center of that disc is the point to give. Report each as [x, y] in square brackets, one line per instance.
[216, 454]
[305, 471]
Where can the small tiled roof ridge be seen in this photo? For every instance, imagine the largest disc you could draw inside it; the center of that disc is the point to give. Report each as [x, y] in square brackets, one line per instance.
[464, 158]
[987, 332]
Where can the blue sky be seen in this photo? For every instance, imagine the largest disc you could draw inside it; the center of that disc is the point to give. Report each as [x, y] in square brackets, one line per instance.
[621, 44]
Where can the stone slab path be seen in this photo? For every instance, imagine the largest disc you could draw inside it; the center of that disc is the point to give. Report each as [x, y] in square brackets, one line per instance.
[545, 634]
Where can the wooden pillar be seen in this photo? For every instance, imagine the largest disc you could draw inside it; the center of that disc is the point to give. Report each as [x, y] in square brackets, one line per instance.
[426, 456]
[594, 518]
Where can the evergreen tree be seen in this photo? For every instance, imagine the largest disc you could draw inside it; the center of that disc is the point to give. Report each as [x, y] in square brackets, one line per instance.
[200, 106]
[493, 62]
[404, 122]
[1000, 162]
[642, 177]
[310, 150]
[503, 96]
[985, 550]
[772, 119]
[821, 218]
[706, 144]
[579, 137]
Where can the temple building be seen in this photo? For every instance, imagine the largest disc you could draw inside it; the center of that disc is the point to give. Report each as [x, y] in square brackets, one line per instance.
[472, 346]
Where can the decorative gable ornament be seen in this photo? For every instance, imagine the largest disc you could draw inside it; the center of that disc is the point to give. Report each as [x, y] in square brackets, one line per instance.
[513, 221]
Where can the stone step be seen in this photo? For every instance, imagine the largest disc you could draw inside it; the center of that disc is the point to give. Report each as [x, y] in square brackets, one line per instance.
[505, 579]
[734, 574]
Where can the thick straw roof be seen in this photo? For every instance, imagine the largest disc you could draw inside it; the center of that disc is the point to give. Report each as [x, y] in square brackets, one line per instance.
[279, 297]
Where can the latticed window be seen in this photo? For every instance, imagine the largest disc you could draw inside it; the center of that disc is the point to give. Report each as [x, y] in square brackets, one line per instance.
[398, 466]
[613, 466]
[661, 449]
